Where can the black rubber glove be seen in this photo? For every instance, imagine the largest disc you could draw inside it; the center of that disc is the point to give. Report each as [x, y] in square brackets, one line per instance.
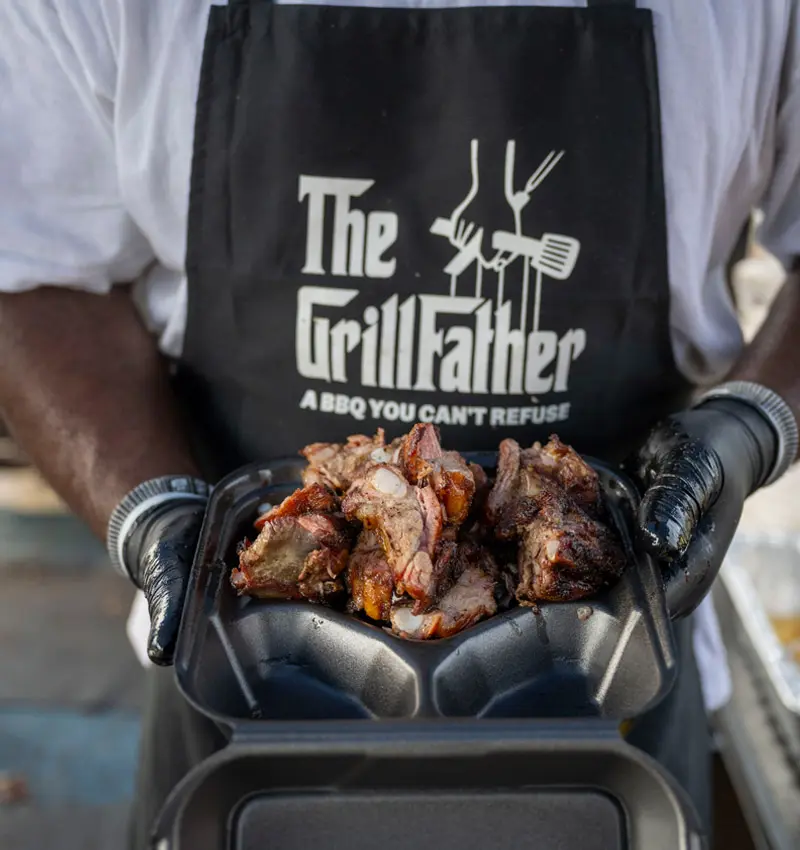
[696, 470]
[159, 554]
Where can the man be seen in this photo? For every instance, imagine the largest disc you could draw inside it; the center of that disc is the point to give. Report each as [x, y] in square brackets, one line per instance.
[506, 220]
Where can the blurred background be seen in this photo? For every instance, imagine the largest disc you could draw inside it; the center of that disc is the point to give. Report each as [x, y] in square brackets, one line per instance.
[71, 687]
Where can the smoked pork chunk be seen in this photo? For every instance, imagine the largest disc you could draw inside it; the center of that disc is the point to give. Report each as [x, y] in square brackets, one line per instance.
[408, 522]
[453, 480]
[412, 535]
[565, 555]
[337, 465]
[369, 578]
[547, 501]
[299, 551]
[468, 601]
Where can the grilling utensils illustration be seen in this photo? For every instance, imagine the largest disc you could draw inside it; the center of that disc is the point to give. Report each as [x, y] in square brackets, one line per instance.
[553, 255]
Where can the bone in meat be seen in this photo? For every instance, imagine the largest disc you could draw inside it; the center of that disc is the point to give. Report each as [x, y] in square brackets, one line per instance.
[408, 522]
[314, 499]
[422, 459]
[469, 600]
[564, 554]
[337, 465]
[294, 557]
[369, 578]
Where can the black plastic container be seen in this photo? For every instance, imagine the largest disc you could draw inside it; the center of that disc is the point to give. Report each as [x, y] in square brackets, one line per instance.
[344, 737]
[243, 658]
[429, 785]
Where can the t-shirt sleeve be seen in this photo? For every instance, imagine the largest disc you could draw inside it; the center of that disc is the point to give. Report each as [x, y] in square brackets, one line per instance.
[62, 220]
[780, 229]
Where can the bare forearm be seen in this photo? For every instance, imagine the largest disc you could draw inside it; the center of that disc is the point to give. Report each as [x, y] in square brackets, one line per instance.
[773, 357]
[85, 394]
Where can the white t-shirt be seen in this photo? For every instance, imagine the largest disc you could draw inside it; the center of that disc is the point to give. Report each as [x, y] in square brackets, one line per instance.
[97, 102]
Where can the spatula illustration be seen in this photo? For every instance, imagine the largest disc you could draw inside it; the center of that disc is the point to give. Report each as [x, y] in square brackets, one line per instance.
[554, 255]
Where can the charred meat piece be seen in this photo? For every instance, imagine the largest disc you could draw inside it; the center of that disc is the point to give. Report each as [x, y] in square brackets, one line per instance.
[369, 578]
[314, 499]
[470, 599]
[417, 449]
[408, 522]
[568, 469]
[337, 465]
[453, 480]
[483, 486]
[319, 579]
[452, 558]
[294, 557]
[564, 554]
[507, 485]
[447, 567]
[527, 473]
[517, 493]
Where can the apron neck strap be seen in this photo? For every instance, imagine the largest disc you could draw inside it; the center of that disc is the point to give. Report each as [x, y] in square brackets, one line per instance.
[630, 4]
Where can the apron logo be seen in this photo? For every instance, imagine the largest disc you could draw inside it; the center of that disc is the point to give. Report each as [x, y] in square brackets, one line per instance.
[473, 340]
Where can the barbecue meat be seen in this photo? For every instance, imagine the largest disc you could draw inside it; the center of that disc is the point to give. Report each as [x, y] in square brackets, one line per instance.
[408, 522]
[508, 486]
[414, 533]
[308, 500]
[517, 493]
[564, 554]
[482, 488]
[568, 469]
[453, 481]
[336, 465]
[369, 578]
[469, 600]
[547, 498]
[417, 450]
[295, 557]
[448, 564]
[527, 473]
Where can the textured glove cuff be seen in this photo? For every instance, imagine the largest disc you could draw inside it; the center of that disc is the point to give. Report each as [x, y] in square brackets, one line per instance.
[776, 412]
[140, 503]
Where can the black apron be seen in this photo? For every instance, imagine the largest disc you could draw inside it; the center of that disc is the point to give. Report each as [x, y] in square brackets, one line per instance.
[447, 215]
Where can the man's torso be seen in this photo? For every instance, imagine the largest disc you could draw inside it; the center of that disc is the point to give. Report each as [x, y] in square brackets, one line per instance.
[719, 66]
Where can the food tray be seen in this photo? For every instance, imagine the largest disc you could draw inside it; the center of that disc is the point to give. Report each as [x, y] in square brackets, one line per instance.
[242, 659]
[753, 563]
[435, 786]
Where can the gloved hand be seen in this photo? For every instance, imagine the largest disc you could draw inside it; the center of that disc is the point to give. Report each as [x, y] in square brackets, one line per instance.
[160, 554]
[153, 541]
[696, 469]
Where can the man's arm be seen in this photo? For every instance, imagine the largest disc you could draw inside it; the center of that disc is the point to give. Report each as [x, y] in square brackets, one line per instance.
[773, 357]
[86, 396]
